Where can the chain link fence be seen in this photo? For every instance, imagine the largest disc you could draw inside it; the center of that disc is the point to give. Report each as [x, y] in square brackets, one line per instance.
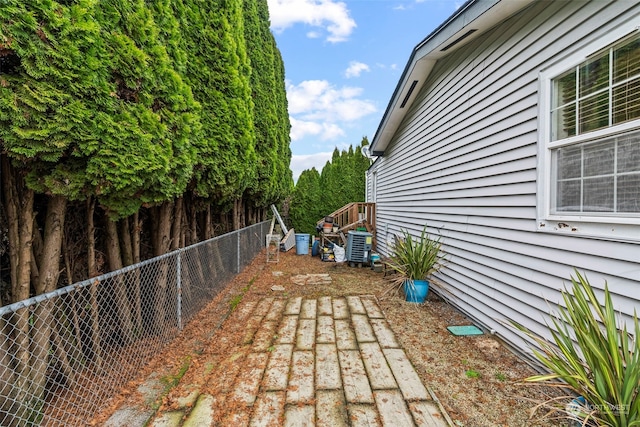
[63, 354]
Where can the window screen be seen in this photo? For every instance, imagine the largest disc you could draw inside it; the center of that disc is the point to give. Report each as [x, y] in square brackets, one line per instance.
[599, 177]
[601, 92]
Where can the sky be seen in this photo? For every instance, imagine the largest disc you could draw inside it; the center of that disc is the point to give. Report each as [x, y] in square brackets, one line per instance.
[343, 60]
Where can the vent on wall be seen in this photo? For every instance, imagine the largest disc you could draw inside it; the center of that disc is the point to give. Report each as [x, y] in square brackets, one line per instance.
[406, 97]
[458, 40]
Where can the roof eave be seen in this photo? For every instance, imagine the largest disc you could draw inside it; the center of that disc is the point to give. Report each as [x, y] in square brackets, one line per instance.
[467, 23]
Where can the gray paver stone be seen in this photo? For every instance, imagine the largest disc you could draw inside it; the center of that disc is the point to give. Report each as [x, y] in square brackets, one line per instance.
[384, 333]
[372, 308]
[128, 416]
[202, 412]
[393, 409]
[327, 367]
[309, 309]
[345, 337]
[263, 337]
[306, 334]
[362, 327]
[325, 306]
[276, 309]
[287, 330]
[380, 374]
[427, 414]
[355, 305]
[277, 373]
[301, 388]
[354, 377]
[250, 328]
[300, 416]
[269, 409]
[245, 309]
[330, 409]
[293, 306]
[263, 307]
[363, 416]
[340, 308]
[326, 332]
[407, 377]
[248, 382]
[168, 419]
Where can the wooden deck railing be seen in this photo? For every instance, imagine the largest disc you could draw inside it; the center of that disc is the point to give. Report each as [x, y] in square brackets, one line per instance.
[354, 215]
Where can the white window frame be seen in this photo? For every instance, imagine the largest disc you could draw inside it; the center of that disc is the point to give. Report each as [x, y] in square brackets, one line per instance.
[614, 227]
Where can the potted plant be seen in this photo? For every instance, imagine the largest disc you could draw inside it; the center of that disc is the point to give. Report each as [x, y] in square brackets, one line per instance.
[592, 356]
[415, 258]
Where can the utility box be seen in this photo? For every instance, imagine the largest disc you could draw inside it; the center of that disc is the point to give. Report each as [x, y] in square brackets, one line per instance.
[359, 246]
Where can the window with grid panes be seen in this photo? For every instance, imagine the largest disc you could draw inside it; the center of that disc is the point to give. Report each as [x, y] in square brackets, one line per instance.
[597, 175]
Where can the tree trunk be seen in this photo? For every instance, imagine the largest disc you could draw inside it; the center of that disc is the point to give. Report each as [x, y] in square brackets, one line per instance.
[20, 216]
[176, 226]
[91, 239]
[126, 248]
[193, 224]
[135, 240]
[208, 229]
[43, 319]
[161, 238]
[123, 307]
[237, 203]
[96, 347]
[131, 248]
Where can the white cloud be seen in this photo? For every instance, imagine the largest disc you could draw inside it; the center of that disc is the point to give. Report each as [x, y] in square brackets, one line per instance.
[355, 69]
[325, 131]
[303, 162]
[318, 100]
[329, 15]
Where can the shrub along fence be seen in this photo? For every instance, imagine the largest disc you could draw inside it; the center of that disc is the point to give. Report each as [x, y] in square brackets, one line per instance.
[63, 354]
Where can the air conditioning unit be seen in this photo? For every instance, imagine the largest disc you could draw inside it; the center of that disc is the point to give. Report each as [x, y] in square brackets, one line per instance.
[359, 246]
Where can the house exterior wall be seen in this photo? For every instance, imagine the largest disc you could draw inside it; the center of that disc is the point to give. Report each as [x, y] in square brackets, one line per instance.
[465, 161]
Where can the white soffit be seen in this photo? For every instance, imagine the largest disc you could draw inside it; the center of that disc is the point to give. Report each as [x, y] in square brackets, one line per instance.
[467, 25]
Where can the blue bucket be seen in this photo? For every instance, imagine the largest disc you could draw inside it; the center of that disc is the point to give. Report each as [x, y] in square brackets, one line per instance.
[302, 244]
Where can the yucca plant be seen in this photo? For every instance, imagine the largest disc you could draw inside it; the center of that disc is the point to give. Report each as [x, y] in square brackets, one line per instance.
[415, 258]
[593, 357]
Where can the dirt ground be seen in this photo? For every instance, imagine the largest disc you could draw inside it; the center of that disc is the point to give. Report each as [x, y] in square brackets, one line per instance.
[476, 378]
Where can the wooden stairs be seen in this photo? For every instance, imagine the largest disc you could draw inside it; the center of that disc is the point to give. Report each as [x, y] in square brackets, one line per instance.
[353, 216]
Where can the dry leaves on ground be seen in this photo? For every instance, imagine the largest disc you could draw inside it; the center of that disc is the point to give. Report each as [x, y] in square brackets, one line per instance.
[476, 378]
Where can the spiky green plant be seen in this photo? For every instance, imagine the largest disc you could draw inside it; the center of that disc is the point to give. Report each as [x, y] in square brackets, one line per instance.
[415, 257]
[592, 356]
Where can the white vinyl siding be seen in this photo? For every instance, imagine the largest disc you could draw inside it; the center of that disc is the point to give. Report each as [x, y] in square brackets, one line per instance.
[465, 161]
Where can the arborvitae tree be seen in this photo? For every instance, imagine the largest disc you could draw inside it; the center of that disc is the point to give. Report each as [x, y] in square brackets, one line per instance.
[219, 73]
[306, 202]
[283, 172]
[334, 181]
[50, 85]
[360, 164]
[342, 181]
[257, 36]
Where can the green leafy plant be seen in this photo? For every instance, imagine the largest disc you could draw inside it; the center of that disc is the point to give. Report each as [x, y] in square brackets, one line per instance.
[472, 373]
[593, 357]
[414, 258]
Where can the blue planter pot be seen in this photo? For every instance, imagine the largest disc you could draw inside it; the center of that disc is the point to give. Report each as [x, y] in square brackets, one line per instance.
[416, 290]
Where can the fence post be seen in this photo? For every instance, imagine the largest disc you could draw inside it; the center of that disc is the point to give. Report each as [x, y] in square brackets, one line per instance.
[179, 289]
[238, 252]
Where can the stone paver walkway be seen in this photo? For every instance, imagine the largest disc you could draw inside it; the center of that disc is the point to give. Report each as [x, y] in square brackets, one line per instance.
[330, 361]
